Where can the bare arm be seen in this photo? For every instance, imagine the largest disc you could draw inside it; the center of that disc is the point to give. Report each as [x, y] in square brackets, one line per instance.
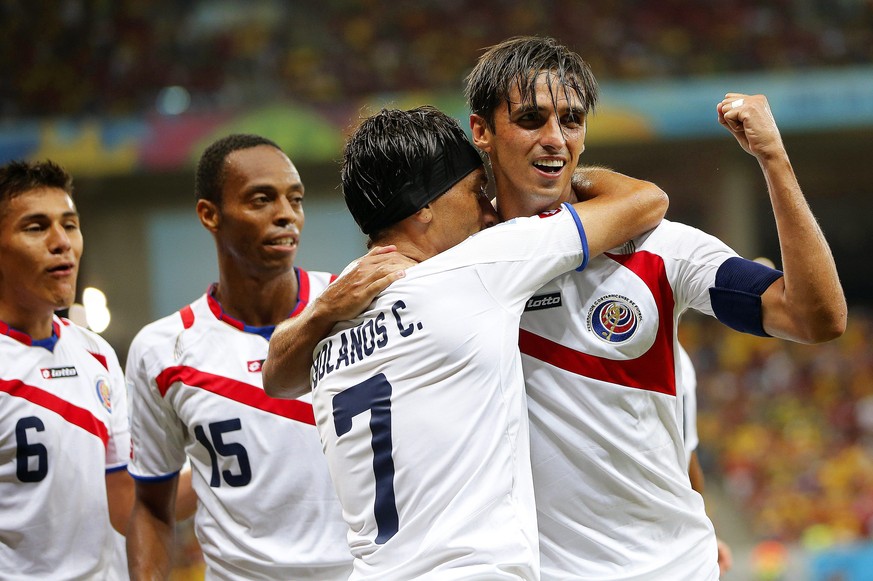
[616, 207]
[119, 493]
[807, 304]
[150, 537]
[186, 498]
[285, 372]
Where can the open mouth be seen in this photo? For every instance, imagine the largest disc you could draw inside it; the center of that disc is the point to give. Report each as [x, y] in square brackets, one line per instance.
[550, 165]
[61, 269]
[282, 242]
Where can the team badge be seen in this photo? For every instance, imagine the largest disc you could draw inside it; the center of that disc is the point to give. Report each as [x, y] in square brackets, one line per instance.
[103, 393]
[614, 319]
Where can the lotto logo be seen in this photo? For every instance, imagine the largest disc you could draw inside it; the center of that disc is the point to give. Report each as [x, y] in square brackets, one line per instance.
[548, 213]
[538, 303]
[56, 372]
[255, 366]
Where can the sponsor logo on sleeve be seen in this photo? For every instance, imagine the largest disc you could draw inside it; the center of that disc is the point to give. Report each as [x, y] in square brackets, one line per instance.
[546, 301]
[255, 366]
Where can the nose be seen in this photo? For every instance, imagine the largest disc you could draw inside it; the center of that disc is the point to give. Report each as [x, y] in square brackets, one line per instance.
[552, 134]
[287, 212]
[489, 214]
[58, 239]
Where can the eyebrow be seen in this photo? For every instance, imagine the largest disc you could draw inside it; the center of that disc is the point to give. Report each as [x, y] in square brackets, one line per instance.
[44, 216]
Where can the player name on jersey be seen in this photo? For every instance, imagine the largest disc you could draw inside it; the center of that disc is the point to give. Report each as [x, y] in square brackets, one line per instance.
[361, 341]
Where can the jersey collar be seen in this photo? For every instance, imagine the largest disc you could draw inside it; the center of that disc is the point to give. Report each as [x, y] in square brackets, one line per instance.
[267, 331]
[22, 337]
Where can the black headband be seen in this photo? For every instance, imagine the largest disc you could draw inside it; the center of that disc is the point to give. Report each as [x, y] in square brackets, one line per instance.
[449, 166]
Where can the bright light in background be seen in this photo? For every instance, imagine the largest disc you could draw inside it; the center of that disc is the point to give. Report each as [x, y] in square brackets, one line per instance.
[97, 314]
[173, 100]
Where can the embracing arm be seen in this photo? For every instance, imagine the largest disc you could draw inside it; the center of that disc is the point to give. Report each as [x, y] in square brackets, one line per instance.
[150, 535]
[119, 493]
[807, 304]
[615, 207]
[285, 372]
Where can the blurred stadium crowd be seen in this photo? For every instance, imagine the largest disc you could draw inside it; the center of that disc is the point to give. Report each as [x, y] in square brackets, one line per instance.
[789, 428]
[115, 54]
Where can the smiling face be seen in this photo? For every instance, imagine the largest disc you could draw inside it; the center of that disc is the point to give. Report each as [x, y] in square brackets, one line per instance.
[533, 148]
[258, 222]
[40, 249]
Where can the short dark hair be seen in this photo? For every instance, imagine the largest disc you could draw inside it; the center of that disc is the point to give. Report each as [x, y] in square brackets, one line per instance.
[396, 162]
[209, 179]
[517, 62]
[18, 177]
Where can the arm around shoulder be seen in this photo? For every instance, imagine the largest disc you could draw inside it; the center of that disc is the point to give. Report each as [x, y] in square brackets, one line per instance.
[615, 207]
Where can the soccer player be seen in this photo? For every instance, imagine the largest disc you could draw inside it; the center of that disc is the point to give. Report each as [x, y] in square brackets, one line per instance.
[419, 401]
[267, 509]
[64, 438]
[599, 349]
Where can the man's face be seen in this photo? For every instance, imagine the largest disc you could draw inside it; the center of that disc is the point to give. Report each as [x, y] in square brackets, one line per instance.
[462, 211]
[40, 249]
[260, 218]
[533, 149]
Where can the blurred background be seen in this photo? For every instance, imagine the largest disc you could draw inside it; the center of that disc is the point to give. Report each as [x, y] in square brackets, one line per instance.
[127, 93]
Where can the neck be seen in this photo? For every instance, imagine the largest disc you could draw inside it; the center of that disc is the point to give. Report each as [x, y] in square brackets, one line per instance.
[517, 204]
[258, 302]
[37, 325]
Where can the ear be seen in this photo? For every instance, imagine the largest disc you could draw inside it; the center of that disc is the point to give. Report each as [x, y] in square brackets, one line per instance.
[424, 216]
[209, 214]
[481, 133]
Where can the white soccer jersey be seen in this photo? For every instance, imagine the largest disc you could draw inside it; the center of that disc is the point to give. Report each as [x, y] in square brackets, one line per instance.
[688, 388]
[599, 351]
[63, 425]
[420, 406]
[266, 509]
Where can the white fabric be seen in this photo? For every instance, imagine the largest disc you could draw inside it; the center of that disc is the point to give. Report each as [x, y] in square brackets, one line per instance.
[688, 383]
[268, 509]
[444, 341]
[65, 413]
[613, 496]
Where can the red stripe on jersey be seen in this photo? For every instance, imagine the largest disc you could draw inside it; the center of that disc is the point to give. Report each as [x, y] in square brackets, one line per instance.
[333, 277]
[653, 370]
[101, 358]
[70, 412]
[302, 292]
[237, 391]
[187, 314]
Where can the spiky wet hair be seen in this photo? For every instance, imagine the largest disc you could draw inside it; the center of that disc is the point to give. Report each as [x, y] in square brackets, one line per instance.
[517, 62]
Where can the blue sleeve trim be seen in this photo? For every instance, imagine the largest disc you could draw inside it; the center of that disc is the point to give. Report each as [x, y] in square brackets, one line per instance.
[736, 296]
[155, 478]
[582, 235]
[116, 469]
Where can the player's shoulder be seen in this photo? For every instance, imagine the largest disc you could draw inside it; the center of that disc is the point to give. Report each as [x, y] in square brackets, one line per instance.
[314, 280]
[676, 238]
[91, 341]
[167, 328]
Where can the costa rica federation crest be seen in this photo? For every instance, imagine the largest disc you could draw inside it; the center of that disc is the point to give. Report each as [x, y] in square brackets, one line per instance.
[614, 319]
[103, 393]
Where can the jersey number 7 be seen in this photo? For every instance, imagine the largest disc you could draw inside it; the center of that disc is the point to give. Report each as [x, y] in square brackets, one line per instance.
[374, 395]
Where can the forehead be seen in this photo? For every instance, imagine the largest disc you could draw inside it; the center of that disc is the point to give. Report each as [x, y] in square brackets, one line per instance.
[260, 163]
[548, 93]
[53, 202]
